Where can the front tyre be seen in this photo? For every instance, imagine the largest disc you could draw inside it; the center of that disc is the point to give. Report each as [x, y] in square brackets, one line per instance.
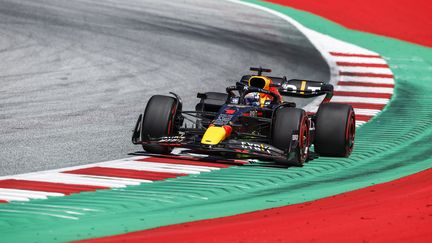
[289, 121]
[158, 121]
[334, 130]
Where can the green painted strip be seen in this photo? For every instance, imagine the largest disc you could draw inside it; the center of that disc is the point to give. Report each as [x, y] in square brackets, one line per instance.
[395, 144]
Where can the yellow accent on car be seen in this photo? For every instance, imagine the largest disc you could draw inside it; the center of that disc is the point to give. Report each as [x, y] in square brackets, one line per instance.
[262, 101]
[303, 87]
[213, 135]
[261, 82]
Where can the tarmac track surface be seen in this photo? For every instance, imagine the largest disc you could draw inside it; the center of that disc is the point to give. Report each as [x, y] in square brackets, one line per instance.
[75, 74]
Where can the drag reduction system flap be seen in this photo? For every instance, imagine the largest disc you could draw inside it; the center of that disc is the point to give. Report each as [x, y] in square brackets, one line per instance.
[303, 88]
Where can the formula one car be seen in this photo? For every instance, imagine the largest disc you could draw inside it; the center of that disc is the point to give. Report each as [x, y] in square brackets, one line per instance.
[250, 120]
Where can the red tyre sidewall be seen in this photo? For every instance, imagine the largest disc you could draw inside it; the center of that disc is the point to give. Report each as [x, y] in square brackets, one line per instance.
[350, 132]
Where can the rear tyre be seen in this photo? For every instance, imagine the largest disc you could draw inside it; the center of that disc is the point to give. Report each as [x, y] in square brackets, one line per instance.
[287, 122]
[158, 121]
[334, 130]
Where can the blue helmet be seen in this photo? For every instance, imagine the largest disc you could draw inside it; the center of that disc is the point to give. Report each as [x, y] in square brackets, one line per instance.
[252, 99]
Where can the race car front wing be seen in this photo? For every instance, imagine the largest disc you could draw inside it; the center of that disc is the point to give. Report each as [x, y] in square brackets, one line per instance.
[230, 147]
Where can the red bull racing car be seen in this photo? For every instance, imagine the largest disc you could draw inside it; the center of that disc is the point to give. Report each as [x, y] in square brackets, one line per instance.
[250, 120]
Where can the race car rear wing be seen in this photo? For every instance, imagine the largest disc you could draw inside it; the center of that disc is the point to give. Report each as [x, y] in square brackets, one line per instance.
[304, 88]
[299, 88]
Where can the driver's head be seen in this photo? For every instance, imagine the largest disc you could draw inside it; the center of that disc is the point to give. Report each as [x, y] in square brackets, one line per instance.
[261, 82]
[252, 99]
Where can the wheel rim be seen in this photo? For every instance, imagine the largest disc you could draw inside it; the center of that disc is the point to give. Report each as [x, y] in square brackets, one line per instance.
[304, 140]
[350, 133]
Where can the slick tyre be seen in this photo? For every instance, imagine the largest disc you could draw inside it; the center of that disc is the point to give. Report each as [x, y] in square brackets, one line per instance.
[334, 130]
[158, 121]
[289, 121]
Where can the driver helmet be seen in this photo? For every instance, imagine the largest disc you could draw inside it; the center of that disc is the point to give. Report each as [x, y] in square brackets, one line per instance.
[261, 82]
[252, 99]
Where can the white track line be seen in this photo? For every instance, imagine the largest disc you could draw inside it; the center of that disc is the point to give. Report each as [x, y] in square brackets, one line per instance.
[359, 60]
[77, 180]
[359, 123]
[182, 166]
[365, 69]
[367, 112]
[14, 198]
[364, 89]
[353, 99]
[128, 181]
[28, 194]
[155, 167]
[367, 79]
[69, 168]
